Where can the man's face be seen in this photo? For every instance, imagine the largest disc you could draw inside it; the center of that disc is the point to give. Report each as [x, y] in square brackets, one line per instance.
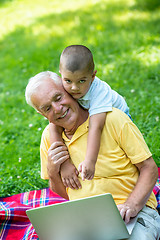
[77, 83]
[53, 102]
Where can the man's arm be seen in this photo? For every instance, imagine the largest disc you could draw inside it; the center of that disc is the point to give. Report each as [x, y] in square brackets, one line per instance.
[148, 174]
[57, 154]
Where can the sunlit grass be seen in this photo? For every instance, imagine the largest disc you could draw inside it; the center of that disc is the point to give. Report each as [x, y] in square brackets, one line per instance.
[129, 15]
[24, 13]
[147, 56]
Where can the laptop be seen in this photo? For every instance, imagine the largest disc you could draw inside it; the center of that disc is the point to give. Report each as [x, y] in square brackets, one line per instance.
[91, 218]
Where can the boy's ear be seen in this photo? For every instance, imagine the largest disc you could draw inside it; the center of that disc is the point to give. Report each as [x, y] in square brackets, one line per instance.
[94, 74]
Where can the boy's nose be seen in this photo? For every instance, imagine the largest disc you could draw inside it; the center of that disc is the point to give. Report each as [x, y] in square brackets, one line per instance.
[75, 87]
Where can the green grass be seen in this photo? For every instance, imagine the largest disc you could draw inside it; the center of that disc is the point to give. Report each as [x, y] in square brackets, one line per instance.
[124, 39]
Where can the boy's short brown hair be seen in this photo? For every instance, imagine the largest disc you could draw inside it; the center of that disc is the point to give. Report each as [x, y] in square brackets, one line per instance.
[77, 57]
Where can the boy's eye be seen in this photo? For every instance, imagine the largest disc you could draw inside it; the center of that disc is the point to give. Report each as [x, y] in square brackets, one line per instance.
[82, 81]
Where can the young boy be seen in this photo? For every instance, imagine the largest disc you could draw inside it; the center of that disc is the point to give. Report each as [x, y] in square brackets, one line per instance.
[79, 80]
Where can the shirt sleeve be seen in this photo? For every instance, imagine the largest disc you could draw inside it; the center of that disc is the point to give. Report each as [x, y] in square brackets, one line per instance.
[100, 99]
[133, 143]
[44, 146]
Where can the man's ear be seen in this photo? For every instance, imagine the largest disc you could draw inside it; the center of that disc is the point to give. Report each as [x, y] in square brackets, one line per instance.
[94, 74]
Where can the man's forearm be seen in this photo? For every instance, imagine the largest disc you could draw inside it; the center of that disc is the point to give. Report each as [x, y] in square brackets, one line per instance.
[57, 154]
[57, 186]
[142, 190]
[146, 181]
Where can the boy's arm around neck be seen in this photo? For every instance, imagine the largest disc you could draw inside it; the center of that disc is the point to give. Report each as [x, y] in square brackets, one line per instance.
[55, 133]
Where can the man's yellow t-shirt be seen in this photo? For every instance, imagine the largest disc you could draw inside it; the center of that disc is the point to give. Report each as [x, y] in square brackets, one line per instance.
[122, 146]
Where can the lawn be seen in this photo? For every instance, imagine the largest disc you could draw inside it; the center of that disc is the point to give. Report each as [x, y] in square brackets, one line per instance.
[124, 39]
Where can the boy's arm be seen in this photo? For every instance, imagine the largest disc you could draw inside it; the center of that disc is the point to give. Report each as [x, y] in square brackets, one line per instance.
[69, 175]
[55, 133]
[96, 124]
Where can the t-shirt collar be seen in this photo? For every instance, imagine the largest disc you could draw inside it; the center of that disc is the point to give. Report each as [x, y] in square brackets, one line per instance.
[81, 130]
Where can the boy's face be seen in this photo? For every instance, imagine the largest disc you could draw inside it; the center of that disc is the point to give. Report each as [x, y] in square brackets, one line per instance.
[77, 83]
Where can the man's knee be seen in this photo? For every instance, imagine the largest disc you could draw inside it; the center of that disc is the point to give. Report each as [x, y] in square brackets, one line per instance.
[147, 226]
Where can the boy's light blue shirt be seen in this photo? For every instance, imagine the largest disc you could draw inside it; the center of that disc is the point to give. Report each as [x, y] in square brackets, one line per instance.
[101, 98]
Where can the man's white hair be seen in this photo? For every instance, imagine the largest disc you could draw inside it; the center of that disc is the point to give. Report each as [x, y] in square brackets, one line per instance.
[36, 81]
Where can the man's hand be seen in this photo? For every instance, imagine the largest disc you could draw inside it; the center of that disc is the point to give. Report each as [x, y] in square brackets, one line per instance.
[57, 154]
[69, 175]
[87, 170]
[127, 211]
[137, 199]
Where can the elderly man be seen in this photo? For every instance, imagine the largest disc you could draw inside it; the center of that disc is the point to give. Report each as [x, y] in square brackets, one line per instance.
[125, 167]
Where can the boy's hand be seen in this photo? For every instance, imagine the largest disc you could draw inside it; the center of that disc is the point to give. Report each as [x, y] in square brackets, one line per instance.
[69, 175]
[87, 170]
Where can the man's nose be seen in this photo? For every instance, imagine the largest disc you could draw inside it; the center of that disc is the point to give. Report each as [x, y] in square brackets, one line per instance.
[57, 108]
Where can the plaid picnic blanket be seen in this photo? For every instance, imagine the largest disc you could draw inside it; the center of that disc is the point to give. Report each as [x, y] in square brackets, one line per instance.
[14, 223]
[156, 191]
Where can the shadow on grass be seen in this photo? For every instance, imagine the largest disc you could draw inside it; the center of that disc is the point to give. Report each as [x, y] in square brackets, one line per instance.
[2, 2]
[150, 5]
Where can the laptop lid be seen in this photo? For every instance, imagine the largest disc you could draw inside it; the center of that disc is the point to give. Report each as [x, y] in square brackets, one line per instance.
[92, 218]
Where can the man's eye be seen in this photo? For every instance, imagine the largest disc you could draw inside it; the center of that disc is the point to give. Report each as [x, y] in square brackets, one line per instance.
[48, 108]
[58, 98]
[82, 81]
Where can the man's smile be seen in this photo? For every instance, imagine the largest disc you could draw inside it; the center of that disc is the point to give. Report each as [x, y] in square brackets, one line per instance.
[65, 113]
